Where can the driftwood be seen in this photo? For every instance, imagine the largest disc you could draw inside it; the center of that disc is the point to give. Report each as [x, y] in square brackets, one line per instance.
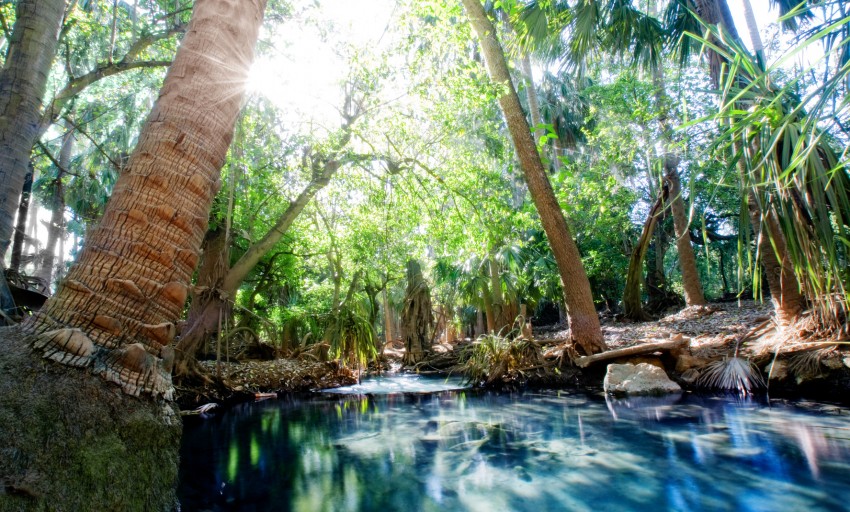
[646, 348]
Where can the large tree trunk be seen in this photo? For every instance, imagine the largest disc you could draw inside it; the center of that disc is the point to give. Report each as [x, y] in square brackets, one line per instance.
[114, 315]
[23, 79]
[130, 284]
[32, 47]
[584, 322]
[785, 294]
[417, 317]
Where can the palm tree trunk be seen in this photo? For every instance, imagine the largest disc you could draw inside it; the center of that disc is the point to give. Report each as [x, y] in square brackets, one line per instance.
[785, 294]
[687, 259]
[785, 291]
[752, 27]
[120, 302]
[56, 228]
[584, 322]
[114, 315]
[531, 93]
[23, 79]
[21, 225]
[388, 319]
[498, 305]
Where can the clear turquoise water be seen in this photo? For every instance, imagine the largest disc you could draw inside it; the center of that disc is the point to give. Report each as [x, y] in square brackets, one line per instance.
[535, 451]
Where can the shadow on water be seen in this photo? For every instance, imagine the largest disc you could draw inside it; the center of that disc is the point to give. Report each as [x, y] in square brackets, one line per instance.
[464, 450]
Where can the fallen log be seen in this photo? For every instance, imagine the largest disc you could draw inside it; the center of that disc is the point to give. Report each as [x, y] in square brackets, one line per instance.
[678, 341]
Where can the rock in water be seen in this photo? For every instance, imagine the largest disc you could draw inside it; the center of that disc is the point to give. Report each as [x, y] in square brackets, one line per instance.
[639, 379]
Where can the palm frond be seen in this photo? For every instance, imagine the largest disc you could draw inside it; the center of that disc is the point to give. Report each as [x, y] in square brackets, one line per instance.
[733, 374]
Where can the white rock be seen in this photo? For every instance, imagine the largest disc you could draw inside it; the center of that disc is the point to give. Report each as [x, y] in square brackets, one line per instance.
[640, 379]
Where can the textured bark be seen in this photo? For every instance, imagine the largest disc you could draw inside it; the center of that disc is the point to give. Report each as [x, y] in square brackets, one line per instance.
[416, 317]
[687, 259]
[584, 322]
[788, 302]
[716, 12]
[632, 307]
[117, 309]
[32, 48]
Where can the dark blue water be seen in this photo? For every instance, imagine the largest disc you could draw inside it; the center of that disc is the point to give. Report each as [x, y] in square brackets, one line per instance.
[540, 451]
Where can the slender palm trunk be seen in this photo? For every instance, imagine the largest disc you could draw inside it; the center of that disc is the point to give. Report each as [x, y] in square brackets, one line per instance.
[56, 228]
[500, 309]
[388, 318]
[687, 260]
[118, 307]
[31, 240]
[584, 322]
[21, 225]
[753, 29]
[23, 80]
[531, 93]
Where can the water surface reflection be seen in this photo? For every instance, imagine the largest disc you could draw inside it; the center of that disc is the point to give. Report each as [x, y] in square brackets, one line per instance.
[539, 451]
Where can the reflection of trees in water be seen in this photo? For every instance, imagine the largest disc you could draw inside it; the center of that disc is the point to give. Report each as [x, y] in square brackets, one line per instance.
[522, 452]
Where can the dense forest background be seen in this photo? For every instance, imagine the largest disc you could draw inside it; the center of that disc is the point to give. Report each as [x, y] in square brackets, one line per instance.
[368, 141]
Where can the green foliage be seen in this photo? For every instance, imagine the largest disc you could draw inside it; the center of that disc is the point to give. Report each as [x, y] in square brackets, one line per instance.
[350, 335]
[493, 357]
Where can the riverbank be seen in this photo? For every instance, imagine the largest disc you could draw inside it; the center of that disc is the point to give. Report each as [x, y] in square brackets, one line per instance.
[790, 364]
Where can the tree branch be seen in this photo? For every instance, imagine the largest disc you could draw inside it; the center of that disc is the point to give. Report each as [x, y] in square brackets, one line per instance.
[128, 62]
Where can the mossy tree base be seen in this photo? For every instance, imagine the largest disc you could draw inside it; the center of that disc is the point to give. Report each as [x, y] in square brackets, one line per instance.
[72, 441]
